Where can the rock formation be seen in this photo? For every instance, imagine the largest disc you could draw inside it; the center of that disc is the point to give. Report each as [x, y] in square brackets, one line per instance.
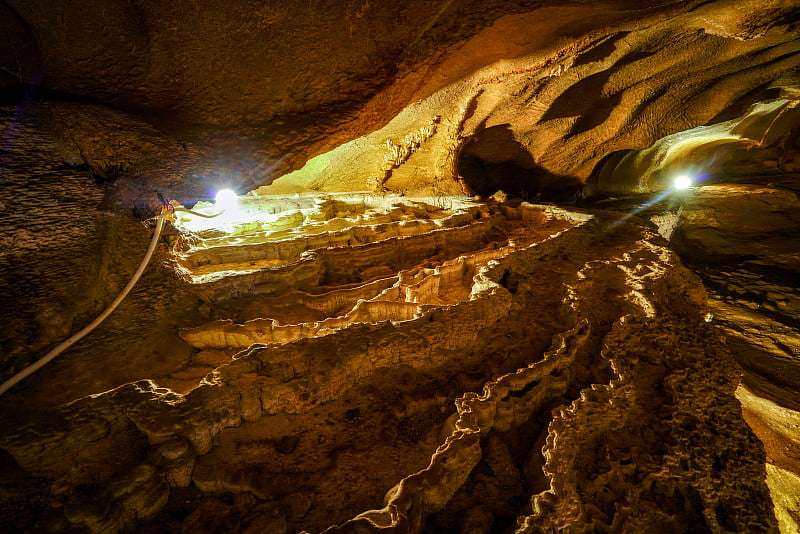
[460, 293]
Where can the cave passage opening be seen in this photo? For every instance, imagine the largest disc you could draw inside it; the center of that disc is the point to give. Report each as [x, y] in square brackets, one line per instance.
[495, 160]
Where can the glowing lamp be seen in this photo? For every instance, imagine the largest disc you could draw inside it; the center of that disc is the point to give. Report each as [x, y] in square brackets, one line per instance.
[227, 200]
[682, 182]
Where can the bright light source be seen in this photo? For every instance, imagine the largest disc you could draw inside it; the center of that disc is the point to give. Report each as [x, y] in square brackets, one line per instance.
[227, 200]
[683, 182]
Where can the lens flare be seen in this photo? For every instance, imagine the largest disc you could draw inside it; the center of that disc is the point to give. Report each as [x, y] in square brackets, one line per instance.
[683, 182]
[227, 200]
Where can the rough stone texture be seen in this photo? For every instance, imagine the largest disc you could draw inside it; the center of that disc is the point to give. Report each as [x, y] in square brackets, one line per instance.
[739, 223]
[384, 278]
[742, 240]
[525, 96]
[542, 115]
[482, 372]
[57, 270]
[265, 407]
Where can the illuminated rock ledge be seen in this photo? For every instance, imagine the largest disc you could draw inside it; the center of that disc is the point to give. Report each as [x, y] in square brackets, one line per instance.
[346, 259]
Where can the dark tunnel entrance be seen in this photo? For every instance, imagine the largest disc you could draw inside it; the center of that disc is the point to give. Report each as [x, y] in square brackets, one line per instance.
[493, 160]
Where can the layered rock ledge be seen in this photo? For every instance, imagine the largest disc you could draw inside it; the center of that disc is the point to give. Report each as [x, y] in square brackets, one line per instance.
[533, 340]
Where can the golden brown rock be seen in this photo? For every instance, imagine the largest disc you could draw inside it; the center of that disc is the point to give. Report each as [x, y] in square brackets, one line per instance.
[401, 357]
[260, 408]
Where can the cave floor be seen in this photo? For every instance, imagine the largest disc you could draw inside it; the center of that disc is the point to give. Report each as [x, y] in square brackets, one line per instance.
[245, 422]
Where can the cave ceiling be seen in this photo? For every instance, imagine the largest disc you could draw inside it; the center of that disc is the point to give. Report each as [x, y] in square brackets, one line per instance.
[459, 291]
[247, 93]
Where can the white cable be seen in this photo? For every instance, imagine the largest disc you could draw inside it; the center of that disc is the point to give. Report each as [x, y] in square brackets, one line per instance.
[22, 375]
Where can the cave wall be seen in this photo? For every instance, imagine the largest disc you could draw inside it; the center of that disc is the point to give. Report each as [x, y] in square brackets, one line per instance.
[250, 92]
[566, 104]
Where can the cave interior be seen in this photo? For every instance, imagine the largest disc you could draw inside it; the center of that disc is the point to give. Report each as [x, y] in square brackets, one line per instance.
[423, 267]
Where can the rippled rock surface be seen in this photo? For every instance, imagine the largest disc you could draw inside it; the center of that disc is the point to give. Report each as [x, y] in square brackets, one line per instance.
[413, 365]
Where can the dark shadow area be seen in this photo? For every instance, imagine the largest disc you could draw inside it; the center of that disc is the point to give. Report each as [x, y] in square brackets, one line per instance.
[600, 51]
[597, 184]
[15, 94]
[579, 97]
[596, 115]
[586, 99]
[493, 160]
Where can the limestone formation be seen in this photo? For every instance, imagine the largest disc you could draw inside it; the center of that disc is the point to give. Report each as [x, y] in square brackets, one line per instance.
[288, 380]
[460, 291]
[752, 284]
